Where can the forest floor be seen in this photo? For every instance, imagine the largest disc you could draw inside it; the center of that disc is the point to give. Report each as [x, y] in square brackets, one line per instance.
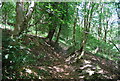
[63, 67]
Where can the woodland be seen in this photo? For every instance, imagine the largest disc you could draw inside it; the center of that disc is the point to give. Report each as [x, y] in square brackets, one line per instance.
[60, 40]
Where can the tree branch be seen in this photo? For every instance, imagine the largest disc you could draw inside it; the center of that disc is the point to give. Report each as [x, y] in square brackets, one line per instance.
[31, 9]
[115, 46]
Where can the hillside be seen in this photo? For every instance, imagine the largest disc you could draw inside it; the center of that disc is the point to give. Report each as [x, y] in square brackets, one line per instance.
[48, 64]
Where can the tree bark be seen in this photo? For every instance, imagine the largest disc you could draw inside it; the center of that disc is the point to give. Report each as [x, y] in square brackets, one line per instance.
[118, 14]
[100, 25]
[52, 26]
[19, 18]
[74, 32]
[22, 19]
[105, 31]
[58, 33]
[50, 34]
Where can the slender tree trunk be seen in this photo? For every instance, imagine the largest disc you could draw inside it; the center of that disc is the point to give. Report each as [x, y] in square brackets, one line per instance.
[36, 26]
[74, 27]
[58, 33]
[118, 13]
[36, 30]
[74, 32]
[5, 20]
[100, 25]
[105, 31]
[83, 43]
[115, 46]
[52, 28]
[53, 24]
[50, 34]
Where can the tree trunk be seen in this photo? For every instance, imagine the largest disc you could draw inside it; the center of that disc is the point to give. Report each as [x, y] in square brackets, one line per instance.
[74, 32]
[58, 34]
[52, 26]
[22, 19]
[50, 34]
[105, 31]
[100, 25]
[115, 46]
[19, 18]
[118, 13]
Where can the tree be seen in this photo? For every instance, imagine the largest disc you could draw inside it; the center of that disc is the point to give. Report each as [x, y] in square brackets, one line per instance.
[74, 27]
[22, 19]
[87, 23]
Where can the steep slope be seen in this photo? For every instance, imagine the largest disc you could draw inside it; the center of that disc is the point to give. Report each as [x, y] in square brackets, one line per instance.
[89, 67]
[50, 64]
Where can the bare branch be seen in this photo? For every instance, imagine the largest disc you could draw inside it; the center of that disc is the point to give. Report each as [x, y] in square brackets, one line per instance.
[30, 10]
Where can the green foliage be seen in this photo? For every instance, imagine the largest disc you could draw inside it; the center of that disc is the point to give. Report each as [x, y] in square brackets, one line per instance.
[106, 50]
[96, 26]
[16, 58]
[8, 11]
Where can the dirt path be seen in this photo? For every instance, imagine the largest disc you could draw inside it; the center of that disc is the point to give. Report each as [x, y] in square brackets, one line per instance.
[60, 69]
